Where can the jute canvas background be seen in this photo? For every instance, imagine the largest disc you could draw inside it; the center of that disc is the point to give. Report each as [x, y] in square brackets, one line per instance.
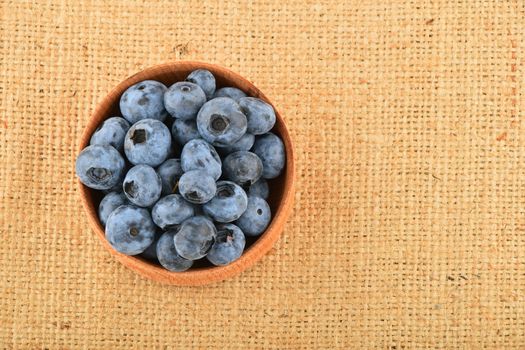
[409, 225]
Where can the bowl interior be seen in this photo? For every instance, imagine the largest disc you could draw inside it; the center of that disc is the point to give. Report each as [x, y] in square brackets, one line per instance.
[280, 188]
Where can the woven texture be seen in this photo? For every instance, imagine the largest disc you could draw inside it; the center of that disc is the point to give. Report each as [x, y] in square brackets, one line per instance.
[409, 225]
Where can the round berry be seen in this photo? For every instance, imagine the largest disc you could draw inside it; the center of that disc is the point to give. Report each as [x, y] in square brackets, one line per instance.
[184, 99]
[245, 143]
[130, 230]
[228, 204]
[231, 92]
[200, 155]
[204, 79]
[221, 122]
[228, 245]
[110, 202]
[168, 256]
[169, 172]
[142, 185]
[196, 186]
[195, 237]
[144, 100]
[148, 142]
[260, 115]
[256, 218]
[270, 149]
[170, 211]
[259, 189]
[184, 131]
[100, 167]
[111, 132]
[242, 167]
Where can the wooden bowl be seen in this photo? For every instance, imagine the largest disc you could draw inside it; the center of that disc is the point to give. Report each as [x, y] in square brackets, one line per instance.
[281, 189]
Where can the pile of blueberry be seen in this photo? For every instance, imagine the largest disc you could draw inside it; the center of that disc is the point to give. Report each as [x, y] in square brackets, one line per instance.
[192, 193]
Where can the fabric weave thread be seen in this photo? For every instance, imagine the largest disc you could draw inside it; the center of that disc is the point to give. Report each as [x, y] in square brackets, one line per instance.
[409, 225]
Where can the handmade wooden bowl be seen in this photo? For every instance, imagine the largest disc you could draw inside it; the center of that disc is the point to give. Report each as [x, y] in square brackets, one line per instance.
[281, 188]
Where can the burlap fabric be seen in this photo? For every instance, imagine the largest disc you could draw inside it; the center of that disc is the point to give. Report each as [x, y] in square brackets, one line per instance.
[409, 225]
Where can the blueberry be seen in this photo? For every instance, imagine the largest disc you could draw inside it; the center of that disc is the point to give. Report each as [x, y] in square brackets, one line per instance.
[110, 202]
[184, 131]
[260, 115]
[142, 185]
[195, 237]
[170, 211]
[242, 167]
[270, 149]
[228, 204]
[228, 246]
[259, 189]
[100, 167]
[147, 142]
[130, 230]
[184, 99]
[256, 218]
[230, 92]
[204, 79]
[168, 256]
[244, 144]
[200, 155]
[111, 132]
[197, 187]
[221, 121]
[150, 253]
[144, 100]
[169, 172]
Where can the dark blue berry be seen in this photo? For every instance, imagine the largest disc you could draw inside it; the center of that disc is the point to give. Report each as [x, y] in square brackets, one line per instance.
[259, 189]
[195, 237]
[204, 79]
[197, 187]
[144, 100]
[245, 143]
[184, 131]
[260, 115]
[256, 218]
[242, 167]
[270, 149]
[168, 256]
[231, 92]
[142, 185]
[199, 155]
[229, 245]
[221, 122]
[148, 142]
[228, 204]
[169, 172]
[110, 202]
[170, 211]
[130, 230]
[100, 167]
[184, 99]
[111, 132]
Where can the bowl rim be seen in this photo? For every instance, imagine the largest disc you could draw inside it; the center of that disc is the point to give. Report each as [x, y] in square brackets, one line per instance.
[204, 275]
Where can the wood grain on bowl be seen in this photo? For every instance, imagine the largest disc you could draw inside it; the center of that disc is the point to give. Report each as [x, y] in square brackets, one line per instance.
[281, 189]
